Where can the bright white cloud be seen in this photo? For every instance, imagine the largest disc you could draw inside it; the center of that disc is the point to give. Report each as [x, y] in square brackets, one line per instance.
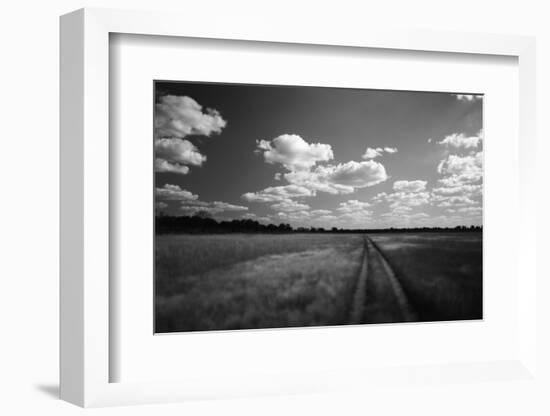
[354, 174]
[353, 205]
[162, 165]
[372, 153]
[293, 152]
[461, 141]
[458, 190]
[401, 203]
[181, 116]
[177, 117]
[315, 181]
[343, 178]
[461, 185]
[177, 151]
[278, 193]
[409, 186]
[462, 169]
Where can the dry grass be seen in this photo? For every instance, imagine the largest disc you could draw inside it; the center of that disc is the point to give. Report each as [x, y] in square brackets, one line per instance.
[254, 281]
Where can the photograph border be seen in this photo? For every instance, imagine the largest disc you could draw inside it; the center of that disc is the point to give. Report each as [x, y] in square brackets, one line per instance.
[84, 183]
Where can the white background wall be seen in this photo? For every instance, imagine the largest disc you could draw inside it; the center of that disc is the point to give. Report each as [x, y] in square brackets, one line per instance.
[29, 205]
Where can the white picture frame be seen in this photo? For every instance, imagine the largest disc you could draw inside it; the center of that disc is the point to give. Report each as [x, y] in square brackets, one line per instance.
[85, 230]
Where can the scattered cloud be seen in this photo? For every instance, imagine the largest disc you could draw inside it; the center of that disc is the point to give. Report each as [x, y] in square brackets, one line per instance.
[278, 193]
[321, 212]
[459, 140]
[213, 208]
[459, 189]
[181, 116]
[164, 166]
[173, 155]
[453, 201]
[289, 205]
[461, 170]
[353, 206]
[293, 152]
[190, 203]
[372, 153]
[408, 195]
[174, 193]
[177, 117]
[410, 186]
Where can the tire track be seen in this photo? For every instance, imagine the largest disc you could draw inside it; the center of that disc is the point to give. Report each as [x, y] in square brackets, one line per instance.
[407, 311]
[359, 296]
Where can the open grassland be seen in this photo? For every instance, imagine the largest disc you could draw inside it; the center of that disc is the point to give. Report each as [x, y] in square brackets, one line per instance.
[234, 281]
[440, 272]
[237, 281]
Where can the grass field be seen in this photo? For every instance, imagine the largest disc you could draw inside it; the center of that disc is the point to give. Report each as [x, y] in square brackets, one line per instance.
[441, 272]
[237, 281]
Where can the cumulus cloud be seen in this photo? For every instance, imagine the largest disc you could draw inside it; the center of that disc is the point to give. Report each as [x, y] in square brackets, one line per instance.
[177, 117]
[308, 173]
[354, 174]
[409, 199]
[468, 97]
[322, 212]
[453, 201]
[461, 170]
[343, 178]
[293, 152]
[401, 203]
[162, 165]
[190, 203]
[294, 216]
[173, 155]
[461, 184]
[174, 193]
[352, 205]
[409, 186]
[181, 116]
[459, 189]
[277, 193]
[460, 140]
[372, 153]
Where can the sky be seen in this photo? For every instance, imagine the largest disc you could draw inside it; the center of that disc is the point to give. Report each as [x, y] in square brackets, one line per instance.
[318, 156]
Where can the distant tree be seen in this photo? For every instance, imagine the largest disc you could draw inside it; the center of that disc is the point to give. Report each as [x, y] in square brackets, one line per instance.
[203, 214]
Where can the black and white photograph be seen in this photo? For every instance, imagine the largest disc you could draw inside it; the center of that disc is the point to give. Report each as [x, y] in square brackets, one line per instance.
[301, 206]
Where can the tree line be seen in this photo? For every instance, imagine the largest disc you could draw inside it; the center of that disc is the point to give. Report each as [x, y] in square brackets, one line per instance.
[205, 225]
